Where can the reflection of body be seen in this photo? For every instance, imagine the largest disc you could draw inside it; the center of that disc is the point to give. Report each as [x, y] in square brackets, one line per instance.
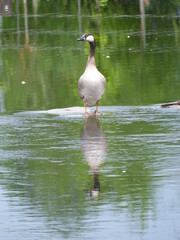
[94, 148]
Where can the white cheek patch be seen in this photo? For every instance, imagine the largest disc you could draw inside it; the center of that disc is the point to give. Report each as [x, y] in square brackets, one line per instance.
[90, 38]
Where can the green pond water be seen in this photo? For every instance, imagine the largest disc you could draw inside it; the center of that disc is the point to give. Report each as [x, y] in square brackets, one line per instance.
[64, 176]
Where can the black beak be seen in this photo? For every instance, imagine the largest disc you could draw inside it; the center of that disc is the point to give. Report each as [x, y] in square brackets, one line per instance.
[81, 38]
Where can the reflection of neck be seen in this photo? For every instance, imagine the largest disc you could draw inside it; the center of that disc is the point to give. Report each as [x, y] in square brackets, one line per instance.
[91, 58]
[96, 182]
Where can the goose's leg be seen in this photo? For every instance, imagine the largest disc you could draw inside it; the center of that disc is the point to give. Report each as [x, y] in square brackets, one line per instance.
[97, 105]
[85, 105]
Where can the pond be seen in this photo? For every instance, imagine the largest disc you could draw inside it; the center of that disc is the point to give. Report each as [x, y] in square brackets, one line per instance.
[64, 176]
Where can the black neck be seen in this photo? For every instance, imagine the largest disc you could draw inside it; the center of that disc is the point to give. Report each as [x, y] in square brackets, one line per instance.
[91, 58]
[92, 49]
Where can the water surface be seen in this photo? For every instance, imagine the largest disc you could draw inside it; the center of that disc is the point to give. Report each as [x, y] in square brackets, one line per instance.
[115, 176]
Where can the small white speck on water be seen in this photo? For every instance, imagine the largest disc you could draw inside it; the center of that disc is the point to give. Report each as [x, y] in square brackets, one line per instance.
[23, 82]
[107, 56]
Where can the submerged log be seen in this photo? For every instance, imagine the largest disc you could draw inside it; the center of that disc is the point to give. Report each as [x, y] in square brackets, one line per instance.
[171, 105]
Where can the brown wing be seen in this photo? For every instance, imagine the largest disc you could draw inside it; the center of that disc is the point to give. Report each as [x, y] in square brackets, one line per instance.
[80, 87]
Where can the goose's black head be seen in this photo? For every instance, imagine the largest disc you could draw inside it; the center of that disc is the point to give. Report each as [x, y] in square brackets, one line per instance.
[86, 37]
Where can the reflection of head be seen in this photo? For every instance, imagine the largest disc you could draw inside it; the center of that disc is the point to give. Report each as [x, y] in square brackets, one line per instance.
[94, 148]
[94, 193]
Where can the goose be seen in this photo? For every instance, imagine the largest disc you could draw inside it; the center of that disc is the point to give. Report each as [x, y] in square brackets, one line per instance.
[92, 83]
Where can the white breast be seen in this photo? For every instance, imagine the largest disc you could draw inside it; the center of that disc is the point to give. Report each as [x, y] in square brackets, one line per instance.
[91, 85]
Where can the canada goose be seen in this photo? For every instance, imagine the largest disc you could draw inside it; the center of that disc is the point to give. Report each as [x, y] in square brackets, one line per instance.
[92, 83]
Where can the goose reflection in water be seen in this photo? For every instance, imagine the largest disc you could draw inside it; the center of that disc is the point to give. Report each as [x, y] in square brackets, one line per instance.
[94, 147]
